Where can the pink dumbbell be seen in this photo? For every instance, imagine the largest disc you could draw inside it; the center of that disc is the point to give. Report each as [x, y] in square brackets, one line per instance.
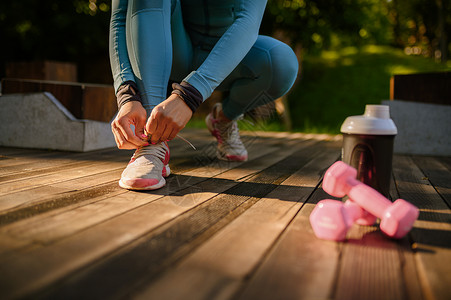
[396, 218]
[331, 219]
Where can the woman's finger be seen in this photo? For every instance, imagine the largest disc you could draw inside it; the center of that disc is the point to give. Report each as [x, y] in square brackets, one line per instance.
[151, 126]
[120, 140]
[173, 134]
[127, 133]
[159, 132]
[166, 133]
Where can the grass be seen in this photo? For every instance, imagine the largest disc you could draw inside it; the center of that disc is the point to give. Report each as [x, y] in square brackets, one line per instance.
[337, 84]
[273, 124]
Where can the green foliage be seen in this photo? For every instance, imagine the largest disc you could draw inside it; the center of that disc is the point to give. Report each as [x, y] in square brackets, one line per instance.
[52, 29]
[337, 84]
[77, 30]
[330, 24]
[338, 76]
[319, 24]
[422, 24]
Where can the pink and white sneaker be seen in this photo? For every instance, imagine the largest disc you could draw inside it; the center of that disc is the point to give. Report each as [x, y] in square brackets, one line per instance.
[147, 168]
[230, 146]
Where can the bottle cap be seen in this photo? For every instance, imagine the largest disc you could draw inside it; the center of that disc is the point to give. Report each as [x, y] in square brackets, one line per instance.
[375, 121]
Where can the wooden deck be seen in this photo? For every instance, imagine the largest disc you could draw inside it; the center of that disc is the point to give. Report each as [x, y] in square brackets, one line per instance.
[216, 231]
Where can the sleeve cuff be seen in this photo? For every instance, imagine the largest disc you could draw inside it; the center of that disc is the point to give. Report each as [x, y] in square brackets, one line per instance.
[127, 92]
[200, 84]
[189, 94]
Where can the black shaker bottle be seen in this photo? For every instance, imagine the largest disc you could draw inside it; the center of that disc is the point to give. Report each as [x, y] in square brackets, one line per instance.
[368, 146]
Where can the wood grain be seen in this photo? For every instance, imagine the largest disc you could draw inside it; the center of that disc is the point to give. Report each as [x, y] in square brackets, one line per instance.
[431, 234]
[217, 230]
[230, 256]
[107, 236]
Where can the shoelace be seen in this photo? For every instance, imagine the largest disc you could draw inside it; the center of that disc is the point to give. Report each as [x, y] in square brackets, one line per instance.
[186, 141]
[180, 137]
[158, 150]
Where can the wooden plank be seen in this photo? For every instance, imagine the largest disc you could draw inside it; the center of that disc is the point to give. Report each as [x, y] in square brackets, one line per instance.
[177, 239]
[49, 159]
[61, 71]
[373, 261]
[412, 283]
[432, 232]
[62, 200]
[446, 161]
[53, 176]
[47, 227]
[42, 70]
[21, 157]
[299, 266]
[410, 279]
[99, 103]
[13, 151]
[256, 145]
[30, 162]
[384, 268]
[426, 87]
[26, 204]
[42, 167]
[48, 264]
[25, 192]
[217, 268]
[182, 180]
[56, 224]
[48, 201]
[183, 167]
[438, 174]
[369, 266]
[45, 172]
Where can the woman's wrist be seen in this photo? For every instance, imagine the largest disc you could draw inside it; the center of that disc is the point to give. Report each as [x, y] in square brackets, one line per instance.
[128, 91]
[189, 94]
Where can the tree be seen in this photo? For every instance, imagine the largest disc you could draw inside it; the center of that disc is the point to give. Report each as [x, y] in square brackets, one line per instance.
[77, 30]
[422, 25]
[74, 30]
[319, 24]
[325, 24]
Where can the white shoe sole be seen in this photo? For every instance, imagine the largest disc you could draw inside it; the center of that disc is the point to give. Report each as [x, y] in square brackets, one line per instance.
[159, 185]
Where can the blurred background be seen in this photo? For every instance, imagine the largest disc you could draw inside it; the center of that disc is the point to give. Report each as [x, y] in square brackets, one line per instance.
[347, 49]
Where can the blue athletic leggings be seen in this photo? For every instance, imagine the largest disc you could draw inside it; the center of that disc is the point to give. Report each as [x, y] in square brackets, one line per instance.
[160, 48]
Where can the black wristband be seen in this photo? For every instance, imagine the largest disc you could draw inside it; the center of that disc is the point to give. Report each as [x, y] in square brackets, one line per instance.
[189, 94]
[128, 91]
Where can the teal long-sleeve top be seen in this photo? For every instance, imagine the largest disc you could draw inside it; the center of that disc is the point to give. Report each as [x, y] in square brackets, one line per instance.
[236, 33]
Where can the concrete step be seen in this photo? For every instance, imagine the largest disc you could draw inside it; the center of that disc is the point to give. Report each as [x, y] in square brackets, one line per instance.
[39, 120]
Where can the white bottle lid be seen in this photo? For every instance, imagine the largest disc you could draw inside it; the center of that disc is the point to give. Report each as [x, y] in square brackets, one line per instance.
[375, 121]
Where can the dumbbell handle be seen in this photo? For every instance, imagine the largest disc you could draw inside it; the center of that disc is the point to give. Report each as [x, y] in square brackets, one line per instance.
[367, 197]
[358, 214]
[353, 211]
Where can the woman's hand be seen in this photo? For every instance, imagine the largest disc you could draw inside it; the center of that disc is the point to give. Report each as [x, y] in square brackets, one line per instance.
[167, 119]
[131, 113]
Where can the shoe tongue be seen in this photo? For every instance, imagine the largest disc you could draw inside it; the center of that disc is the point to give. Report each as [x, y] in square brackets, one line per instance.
[216, 109]
[224, 125]
[228, 130]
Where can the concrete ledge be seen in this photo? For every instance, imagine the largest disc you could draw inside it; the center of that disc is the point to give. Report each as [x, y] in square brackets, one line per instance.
[423, 128]
[40, 121]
